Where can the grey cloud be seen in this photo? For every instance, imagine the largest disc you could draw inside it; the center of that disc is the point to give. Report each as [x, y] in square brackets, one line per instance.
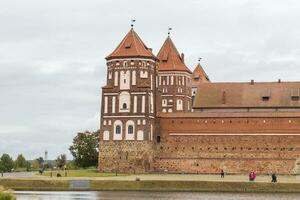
[52, 54]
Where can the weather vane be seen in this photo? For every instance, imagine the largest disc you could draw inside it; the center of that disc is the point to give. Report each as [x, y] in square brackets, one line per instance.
[199, 59]
[169, 30]
[132, 23]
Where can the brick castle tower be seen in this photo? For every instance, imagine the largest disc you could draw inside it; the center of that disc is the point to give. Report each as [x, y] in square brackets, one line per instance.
[128, 107]
[199, 76]
[174, 80]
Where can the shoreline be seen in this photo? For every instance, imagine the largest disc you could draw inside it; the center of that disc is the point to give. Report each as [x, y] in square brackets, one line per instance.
[146, 185]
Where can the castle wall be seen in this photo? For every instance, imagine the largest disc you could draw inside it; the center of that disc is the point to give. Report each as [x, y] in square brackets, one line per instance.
[126, 156]
[240, 144]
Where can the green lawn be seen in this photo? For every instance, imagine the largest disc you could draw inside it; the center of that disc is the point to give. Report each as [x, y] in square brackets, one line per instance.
[81, 173]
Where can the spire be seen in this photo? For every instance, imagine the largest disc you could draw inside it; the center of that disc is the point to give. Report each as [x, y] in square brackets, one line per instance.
[199, 75]
[170, 59]
[169, 31]
[131, 46]
[132, 23]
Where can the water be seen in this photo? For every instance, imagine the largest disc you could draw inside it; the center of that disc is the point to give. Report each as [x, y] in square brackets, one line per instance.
[111, 195]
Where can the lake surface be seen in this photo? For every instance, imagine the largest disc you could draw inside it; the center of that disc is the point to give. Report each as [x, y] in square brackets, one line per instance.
[110, 195]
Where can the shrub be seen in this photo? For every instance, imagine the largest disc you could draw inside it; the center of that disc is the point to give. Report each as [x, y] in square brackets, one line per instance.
[6, 194]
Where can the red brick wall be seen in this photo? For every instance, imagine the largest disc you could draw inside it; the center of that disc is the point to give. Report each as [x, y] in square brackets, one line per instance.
[240, 147]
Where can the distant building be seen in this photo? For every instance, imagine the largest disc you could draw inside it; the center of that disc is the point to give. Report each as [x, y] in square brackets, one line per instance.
[147, 123]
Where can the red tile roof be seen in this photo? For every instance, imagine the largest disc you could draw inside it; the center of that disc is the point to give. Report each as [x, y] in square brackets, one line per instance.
[169, 58]
[199, 76]
[248, 95]
[196, 115]
[131, 46]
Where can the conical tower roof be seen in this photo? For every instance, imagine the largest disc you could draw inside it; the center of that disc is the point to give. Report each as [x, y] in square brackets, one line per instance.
[169, 58]
[131, 46]
[199, 75]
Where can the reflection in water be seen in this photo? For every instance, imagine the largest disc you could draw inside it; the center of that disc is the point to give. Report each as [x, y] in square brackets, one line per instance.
[111, 195]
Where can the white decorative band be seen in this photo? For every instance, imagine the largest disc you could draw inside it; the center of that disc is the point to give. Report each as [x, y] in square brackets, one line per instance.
[127, 116]
[110, 94]
[129, 59]
[232, 134]
[168, 73]
[138, 93]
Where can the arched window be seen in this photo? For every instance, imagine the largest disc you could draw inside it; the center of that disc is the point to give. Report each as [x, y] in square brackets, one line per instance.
[164, 102]
[118, 129]
[179, 104]
[117, 132]
[124, 102]
[130, 132]
[130, 129]
[125, 80]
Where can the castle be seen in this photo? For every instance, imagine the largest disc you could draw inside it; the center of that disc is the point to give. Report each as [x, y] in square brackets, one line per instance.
[158, 116]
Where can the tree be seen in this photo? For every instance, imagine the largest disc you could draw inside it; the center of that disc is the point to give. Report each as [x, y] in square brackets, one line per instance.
[35, 165]
[28, 166]
[85, 149]
[40, 161]
[6, 163]
[20, 162]
[61, 161]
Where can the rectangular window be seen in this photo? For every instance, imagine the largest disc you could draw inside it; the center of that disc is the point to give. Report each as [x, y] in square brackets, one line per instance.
[295, 98]
[158, 139]
[265, 98]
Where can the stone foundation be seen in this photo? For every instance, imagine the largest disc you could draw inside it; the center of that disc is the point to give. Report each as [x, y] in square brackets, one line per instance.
[126, 156]
[205, 165]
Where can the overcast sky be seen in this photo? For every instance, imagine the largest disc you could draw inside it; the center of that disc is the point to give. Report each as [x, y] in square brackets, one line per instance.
[52, 53]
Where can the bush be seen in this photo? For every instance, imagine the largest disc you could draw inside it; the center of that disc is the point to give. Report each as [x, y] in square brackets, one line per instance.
[6, 195]
[71, 165]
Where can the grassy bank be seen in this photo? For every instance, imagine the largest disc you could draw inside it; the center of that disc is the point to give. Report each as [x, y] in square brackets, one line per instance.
[35, 185]
[81, 173]
[6, 195]
[151, 185]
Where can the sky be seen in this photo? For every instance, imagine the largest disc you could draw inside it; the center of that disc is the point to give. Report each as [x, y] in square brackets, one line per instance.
[52, 54]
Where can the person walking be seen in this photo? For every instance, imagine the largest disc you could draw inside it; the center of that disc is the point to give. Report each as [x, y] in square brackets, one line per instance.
[274, 178]
[222, 173]
[252, 176]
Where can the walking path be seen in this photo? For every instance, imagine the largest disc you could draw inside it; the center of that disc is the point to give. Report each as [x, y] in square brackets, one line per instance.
[204, 177]
[166, 177]
[20, 175]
